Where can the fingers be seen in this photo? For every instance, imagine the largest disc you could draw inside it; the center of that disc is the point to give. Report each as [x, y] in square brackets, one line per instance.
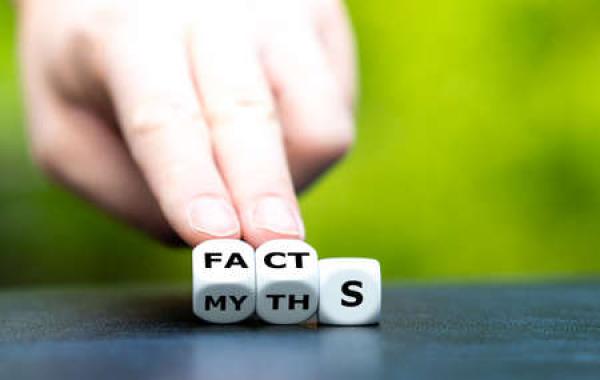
[318, 121]
[248, 140]
[87, 156]
[165, 129]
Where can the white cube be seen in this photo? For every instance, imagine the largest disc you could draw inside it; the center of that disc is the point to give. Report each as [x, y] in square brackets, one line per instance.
[350, 291]
[287, 281]
[224, 281]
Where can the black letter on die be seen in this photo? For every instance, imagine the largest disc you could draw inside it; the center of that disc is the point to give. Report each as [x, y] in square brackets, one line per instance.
[352, 293]
[298, 256]
[236, 259]
[269, 262]
[209, 302]
[238, 302]
[293, 301]
[210, 257]
[275, 298]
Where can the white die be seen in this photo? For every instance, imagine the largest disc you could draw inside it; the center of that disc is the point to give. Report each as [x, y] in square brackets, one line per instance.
[224, 281]
[350, 291]
[287, 281]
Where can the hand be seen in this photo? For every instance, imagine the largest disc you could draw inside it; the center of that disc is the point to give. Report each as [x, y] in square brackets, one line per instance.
[196, 117]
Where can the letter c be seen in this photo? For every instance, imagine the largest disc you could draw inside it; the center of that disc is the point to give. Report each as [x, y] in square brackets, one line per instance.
[269, 260]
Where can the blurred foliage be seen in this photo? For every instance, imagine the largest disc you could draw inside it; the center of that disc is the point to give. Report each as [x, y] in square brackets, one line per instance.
[478, 155]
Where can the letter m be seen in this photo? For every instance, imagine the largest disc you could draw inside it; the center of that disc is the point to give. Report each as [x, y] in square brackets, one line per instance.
[210, 302]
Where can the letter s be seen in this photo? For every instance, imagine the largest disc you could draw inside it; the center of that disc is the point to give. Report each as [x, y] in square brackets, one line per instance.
[358, 297]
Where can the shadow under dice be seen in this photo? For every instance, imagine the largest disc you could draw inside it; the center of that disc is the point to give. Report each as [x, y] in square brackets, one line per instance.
[287, 281]
[350, 291]
[224, 281]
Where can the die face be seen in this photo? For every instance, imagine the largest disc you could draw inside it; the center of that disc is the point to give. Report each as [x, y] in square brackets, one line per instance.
[286, 302]
[224, 281]
[224, 259]
[287, 281]
[225, 303]
[350, 291]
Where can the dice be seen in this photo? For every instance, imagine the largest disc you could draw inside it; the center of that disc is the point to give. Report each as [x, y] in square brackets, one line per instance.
[224, 284]
[284, 283]
[287, 281]
[350, 291]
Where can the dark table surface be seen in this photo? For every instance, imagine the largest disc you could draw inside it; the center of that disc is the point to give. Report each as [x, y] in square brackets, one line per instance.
[549, 331]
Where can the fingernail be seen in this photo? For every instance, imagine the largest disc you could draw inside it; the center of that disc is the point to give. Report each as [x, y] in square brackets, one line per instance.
[276, 215]
[213, 216]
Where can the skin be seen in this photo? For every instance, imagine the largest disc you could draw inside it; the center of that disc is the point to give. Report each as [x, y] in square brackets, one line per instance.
[189, 119]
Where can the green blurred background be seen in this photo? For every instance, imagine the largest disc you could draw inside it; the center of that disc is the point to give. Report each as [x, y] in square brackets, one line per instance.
[478, 156]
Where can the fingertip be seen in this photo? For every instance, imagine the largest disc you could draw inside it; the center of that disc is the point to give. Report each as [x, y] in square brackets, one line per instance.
[272, 217]
[275, 214]
[211, 217]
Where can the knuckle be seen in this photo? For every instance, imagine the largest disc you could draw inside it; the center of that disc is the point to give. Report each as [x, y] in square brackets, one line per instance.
[152, 119]
[244, 109]
[143, 125]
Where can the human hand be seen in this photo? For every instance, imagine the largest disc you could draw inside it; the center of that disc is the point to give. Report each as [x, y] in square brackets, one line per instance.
[194, 117]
